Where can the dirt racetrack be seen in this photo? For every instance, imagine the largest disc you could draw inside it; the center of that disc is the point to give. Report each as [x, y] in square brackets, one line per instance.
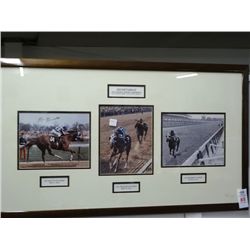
[140, 157]
[191, 137]
[80, 158]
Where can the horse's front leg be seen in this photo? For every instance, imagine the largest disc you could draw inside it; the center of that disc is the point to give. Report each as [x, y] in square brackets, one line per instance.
[117, 163]
[145, 134]
[110, 163]
[174, 153]
[126, 163]
[110, 159]
[72, 154]
[140, 138]
[50, 152]
[43, 156]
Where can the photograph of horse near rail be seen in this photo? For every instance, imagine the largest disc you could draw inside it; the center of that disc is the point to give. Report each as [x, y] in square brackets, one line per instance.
[193, 139]
[126, 140]
[53, 140]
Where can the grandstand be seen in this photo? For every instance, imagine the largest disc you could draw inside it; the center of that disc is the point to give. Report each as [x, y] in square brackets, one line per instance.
[122, 110]
[177, 120]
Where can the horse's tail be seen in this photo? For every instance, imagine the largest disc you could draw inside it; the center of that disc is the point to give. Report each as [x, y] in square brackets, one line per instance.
[29, 144]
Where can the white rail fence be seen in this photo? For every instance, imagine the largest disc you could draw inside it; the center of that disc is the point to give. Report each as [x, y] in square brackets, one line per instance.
[208, 149]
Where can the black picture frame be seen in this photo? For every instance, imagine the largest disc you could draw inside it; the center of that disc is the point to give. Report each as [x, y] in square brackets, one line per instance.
[151, 127]
[145, 66]
[55, 167]
[209, 148]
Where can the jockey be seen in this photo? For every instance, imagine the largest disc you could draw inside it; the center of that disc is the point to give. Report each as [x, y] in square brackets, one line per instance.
[172, 135]
[140, 127]
[139, 124]
[121, 133]
[140, 121]
[58, 131]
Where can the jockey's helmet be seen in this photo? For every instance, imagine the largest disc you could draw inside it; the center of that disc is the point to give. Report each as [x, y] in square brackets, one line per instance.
[172, 133]
[120, 130]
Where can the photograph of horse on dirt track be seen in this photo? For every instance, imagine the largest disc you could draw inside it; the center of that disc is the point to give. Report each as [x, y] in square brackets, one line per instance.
[193, 139]
[126, 140]
[53, 140]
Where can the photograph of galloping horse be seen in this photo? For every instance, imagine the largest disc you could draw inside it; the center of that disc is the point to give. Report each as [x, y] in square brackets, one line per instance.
[173, 143]
[53, 140]
[119, 145]
[126, 139]
[193, 139]
[141, 130]
[44, 143]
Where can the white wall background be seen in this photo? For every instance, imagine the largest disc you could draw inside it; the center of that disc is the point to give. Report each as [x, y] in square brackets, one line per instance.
[218, 56]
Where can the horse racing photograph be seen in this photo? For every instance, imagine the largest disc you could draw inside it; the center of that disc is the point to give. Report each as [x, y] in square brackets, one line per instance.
[53, 140]
[193, 139]
[125, 139]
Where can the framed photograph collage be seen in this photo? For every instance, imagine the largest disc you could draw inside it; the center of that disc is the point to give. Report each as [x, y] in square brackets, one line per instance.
[95, 138]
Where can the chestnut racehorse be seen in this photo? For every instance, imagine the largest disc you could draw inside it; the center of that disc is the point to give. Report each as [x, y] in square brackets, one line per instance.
[47, 142]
